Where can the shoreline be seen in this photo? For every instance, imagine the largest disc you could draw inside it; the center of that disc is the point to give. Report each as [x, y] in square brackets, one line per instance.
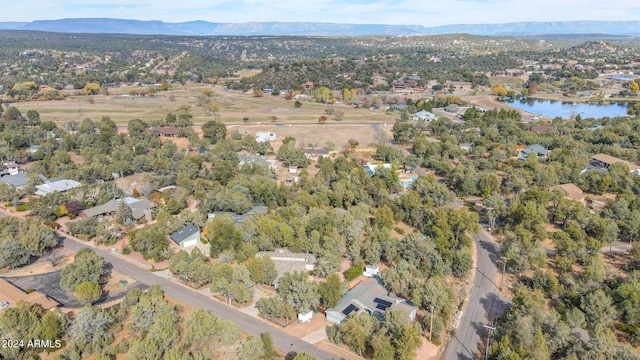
[584, 100]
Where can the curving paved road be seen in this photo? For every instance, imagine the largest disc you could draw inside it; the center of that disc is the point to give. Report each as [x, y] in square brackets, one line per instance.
[484, 304]
[283, 341]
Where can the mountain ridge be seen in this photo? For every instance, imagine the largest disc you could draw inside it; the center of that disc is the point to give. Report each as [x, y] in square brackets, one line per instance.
[206, 28]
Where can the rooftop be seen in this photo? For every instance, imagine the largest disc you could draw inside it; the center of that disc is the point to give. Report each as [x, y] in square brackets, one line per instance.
[572, 191]
[56, 186]
[287, 262]
[12, 294]
[610, 160]
[537, 148]
[17, 180]
[542, 129]
[165, 130]
[369, 294]
[138, 207]
[182, 234]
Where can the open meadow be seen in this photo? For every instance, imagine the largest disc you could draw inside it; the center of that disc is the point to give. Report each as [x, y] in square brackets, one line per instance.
[234, 107]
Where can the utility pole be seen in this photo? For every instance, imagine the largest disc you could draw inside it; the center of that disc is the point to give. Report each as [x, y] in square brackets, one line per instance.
[504, 270]
[431, 324]
[489, 333]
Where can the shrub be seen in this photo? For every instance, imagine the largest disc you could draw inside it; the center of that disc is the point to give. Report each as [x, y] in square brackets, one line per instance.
[22, 207]
[353, 272]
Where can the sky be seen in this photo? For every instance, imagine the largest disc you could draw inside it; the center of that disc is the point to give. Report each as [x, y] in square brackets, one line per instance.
[400, 12]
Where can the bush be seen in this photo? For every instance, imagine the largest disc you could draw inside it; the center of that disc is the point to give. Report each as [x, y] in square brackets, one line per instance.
[353, 272]
[399, 230]
[22, 207]
[30, 290]
[52, 224]
[126, 249]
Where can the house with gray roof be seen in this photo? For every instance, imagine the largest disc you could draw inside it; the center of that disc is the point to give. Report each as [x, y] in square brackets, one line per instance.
[286, 261]
[18, 180]
[255, 159]
[537, 149]
[139, 208]
[186, 237]
[371, 296]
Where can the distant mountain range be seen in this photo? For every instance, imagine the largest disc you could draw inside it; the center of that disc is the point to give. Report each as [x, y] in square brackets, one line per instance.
[204, 28]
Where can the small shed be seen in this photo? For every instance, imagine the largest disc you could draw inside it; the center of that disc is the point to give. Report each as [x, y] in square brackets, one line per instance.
[305, 316]
[371, 270]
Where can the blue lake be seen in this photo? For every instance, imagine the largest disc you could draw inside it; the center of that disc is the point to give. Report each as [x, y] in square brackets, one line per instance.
[566, 110]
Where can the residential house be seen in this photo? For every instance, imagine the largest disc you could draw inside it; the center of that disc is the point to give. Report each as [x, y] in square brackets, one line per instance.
[10, 168]
[314, 154]
[406, 180]
[467, 147]
[604, 161]
[51, 186]
[424, 115]
[537, 149]
[10, 295]
[139, 208]
[543, 129]
[369, 295]
[452, 108]
[255, 159]
[169, 131]
[371, 168]
[265, 136]
[187, 236]
[18, 180]
[379, 80]
[572, 192]
[286, 261]
[398, 107]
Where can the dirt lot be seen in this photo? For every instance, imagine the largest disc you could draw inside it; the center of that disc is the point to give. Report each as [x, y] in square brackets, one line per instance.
[312, 134]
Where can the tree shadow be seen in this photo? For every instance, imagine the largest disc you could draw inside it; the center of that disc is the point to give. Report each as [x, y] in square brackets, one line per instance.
[494, 306]
[467, 354]
[492, 250]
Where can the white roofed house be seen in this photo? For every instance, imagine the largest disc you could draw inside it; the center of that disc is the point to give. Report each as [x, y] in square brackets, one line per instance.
[265, 136]
[424, 115]
[56, 186]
